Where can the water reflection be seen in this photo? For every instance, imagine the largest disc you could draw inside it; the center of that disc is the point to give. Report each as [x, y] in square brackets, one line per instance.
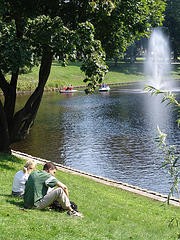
[109, 135]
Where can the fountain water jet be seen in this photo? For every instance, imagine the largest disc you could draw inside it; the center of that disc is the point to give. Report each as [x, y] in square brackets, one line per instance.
[157, 65]
[157, 70]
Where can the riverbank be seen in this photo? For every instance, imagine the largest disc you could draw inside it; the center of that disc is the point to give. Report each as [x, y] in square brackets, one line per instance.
[110, 213]
[124, 186]
[121, 73]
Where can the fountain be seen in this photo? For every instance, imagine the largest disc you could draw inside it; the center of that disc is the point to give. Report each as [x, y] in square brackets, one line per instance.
[157, 70]
[157, 65]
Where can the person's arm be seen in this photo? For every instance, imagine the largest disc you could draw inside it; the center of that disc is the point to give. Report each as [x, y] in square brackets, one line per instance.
[63, 186]
[52, 182]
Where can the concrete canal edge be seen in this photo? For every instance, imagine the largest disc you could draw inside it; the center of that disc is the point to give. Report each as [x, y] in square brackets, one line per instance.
[134, 189]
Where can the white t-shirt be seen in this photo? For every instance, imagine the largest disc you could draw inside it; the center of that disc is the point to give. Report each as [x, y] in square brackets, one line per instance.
[20, 179]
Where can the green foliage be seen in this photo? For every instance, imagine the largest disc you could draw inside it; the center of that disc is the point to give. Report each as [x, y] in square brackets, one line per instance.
[92, 55]
[47, 32]
[26, 33]
[172, 22]
[169, 153]
[45, 25]
[105, 6]
[14, 52]
[129, 20]
[170, 162]
[69, 45]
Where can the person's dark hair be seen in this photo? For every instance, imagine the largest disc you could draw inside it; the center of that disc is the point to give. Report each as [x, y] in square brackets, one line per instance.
[48, 166]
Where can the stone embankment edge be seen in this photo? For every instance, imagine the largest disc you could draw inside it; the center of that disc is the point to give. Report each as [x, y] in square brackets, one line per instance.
[124, 186]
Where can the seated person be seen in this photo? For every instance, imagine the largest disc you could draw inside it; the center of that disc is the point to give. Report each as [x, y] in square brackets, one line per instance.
[21, 177]
[36, 190]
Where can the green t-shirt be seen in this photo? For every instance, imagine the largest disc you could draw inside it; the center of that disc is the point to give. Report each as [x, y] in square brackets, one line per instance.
[36, 187]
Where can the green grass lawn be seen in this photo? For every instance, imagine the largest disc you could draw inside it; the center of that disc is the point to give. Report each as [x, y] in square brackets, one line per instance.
[109, 213]
[64, 76]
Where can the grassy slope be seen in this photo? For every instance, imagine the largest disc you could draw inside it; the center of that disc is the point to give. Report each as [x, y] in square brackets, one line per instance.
[110, 213]
[63, 76]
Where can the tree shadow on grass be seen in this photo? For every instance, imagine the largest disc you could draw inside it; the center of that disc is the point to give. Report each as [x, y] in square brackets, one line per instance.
[7, 160]
[16, 201]
[127, 68]
[19, 203]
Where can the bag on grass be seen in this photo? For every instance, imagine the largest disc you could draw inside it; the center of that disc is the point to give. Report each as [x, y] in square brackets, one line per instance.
[57, 206]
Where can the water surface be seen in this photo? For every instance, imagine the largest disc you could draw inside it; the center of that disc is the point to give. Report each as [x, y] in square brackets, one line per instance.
[107, 134]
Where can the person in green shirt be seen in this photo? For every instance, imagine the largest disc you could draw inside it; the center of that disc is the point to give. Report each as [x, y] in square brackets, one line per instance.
[36, 190]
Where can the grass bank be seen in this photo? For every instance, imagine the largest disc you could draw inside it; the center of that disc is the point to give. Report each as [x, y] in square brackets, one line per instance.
[63, 76]
[110, 213]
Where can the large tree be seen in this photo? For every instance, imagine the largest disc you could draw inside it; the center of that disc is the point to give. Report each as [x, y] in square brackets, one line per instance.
[34, 31]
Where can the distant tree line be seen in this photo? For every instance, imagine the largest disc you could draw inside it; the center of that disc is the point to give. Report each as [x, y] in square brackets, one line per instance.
[172, 22]
[171, 26]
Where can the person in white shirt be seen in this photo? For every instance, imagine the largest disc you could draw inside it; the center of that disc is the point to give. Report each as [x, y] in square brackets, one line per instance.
[21, 177]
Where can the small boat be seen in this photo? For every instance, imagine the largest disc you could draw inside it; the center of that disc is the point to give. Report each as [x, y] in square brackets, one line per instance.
[67, 90]
[104, 88]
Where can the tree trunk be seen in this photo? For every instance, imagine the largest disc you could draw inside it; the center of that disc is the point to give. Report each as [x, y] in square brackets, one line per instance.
[24, 119]
[15, 128]
[10, 99]
[4, 132]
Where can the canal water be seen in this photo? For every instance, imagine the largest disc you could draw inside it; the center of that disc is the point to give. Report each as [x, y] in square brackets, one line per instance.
[108, 134]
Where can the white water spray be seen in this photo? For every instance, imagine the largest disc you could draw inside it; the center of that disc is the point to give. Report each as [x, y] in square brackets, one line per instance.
[157, 70]
[157, 65]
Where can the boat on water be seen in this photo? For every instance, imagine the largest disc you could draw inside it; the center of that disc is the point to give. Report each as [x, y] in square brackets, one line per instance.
[104, 88]
[69, 89]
